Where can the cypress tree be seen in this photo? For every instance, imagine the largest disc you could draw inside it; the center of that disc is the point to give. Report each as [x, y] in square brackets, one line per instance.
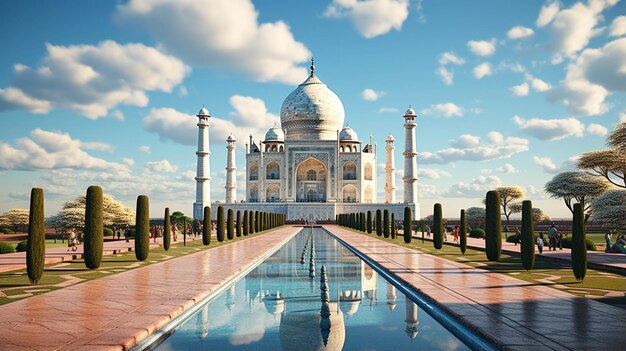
[246, 223]
[386, 224]
[142, 228]
[230, 228]
[36, 243]
[528, 236]
[393, 226]
[437, 227]
[238, 227]
[493, 226]
[94, 240]
[408, 224]
[463, 232]
[221, 231]
[257, 225]
[206, 226]
[251, 225]
[579, 245]
[167, 230]
[379, 223]
[369, 222]
[363, 228]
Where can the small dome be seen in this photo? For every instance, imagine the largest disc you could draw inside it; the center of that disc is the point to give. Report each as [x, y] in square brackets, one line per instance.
[275, 134]
[410, 112]
[390, 138]
[348, 134]
[203, 112]
[231, 137]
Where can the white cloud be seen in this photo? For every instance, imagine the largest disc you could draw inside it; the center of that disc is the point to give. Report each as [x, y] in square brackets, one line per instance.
[53, 150]
[505, 168]
[223, 34]
[432, 173]
[482, 70]
[520, 90]
[519, 32]
[477, 187]
[549, 166]
[161, 166]
[618, 27]
[371, 17]
[145, 149]
[182, 91]
[622, 116]
[250, 116]
[572, 28]
[447, 76]
[482, 48]
[472, 148]
[371, 94]
[129, 161]
[550, 129]
[387, 110]
[118, 115]
[539, 85]
[592, 77]
[450, 58]
[91, 80]
[447, 109]
[596, 129]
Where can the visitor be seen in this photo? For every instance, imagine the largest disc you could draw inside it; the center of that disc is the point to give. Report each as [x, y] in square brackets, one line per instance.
[540, 242]
[127, 234]
[428, 231]
[518, 236]
[72, 240]
[559, 238]
[119, 233]
[552, 232]
[609, 241]
[174, 236]
[456, 234]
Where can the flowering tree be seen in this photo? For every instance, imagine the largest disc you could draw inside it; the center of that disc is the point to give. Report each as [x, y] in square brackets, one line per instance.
[73, 213]
[577, 187]
[475, 217]
[15, 218]
[609, 163]
[610, 209]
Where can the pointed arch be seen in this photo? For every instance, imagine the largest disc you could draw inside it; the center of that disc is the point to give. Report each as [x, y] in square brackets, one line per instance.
[369, 171]
[272, 170]
[253, 171]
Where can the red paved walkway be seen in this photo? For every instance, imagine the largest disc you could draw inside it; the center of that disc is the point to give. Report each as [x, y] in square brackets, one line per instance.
[116, 312]
[512, 313]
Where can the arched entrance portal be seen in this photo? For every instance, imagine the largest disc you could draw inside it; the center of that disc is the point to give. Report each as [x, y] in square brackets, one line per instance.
[311, 178]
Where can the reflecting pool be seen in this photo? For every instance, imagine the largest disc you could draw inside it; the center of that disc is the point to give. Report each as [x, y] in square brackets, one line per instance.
[277, 307]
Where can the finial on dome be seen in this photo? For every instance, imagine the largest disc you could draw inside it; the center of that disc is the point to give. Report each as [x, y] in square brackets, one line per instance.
[312, 66]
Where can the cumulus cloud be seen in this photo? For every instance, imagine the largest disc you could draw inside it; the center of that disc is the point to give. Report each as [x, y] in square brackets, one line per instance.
[448, 58]
[477, 187]
[447, 76]
[550, 129]
[622, 116]
[505, 168]
[250, 116]
[371, 94]
[482, 48]
[223, 34]
[161, 166]
[53, 150]
[597, 129]
[519, 32]
[91, 80]
[549, 166]
[145, 149]
[618, 27]
[371, 17]
[482, 70]
[432, 173]
[473, 148]
[592, 77]
[520, 90]
[572, 28]
[447, 109]
[539, 85]
[387, 110]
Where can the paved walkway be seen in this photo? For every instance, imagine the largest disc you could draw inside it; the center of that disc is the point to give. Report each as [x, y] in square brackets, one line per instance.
[599, 260]
[115, 312]
[17, 260]
[511, 313]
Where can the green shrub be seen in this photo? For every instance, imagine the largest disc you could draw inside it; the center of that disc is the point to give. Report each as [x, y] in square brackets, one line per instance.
[5, 230]
[579, 247]
[369, 222]
[386, 227]
[477, 233]
[437, 227]
[463, 232]
[511, 239]
[493, 226]
[528, 236]
[393, 226]
[221, 231]
[206, 226]
[167, 230]
[246, 223]
[567, 243]
[6, 248]
[230, 224]
[379, 223]
[252, 224]
[36, 246]
[408, 219]
[142, 228]
[21, 246]
[108, 232]
[94, 240]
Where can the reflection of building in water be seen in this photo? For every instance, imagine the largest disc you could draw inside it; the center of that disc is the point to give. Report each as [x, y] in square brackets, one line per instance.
[391, 296]
[300, 331]
[411, 318]
[230, 298]
[203, 323]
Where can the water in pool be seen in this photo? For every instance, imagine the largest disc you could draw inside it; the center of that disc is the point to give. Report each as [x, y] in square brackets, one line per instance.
[277, 307]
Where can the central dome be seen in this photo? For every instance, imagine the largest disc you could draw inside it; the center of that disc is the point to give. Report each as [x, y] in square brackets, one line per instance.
[312, 112]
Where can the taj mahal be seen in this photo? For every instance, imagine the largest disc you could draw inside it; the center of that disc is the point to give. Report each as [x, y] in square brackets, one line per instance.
[312, 166]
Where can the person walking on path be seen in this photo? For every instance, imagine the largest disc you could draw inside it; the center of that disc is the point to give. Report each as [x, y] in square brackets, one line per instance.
[456, 234]
[552, 233]
[609, 241]
[428, 231]
[518, 235]
[540, 242]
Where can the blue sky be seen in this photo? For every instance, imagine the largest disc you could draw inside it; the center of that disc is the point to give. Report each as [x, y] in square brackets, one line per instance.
[507, 92]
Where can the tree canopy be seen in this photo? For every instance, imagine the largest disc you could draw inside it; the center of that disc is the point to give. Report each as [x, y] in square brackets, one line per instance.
[72, 215]
[610, 209]
[475, 216]
[609, 163]
[539, 216]
[509, 199]
[576, 187]
[14, 218]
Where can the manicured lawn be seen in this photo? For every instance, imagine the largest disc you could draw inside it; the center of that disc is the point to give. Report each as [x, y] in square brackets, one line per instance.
[49, 243]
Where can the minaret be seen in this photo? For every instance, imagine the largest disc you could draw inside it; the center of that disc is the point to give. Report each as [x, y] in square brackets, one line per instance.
[411, 318]
[410, 161]
[231, 174]
[203, 174]
[390, 179]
